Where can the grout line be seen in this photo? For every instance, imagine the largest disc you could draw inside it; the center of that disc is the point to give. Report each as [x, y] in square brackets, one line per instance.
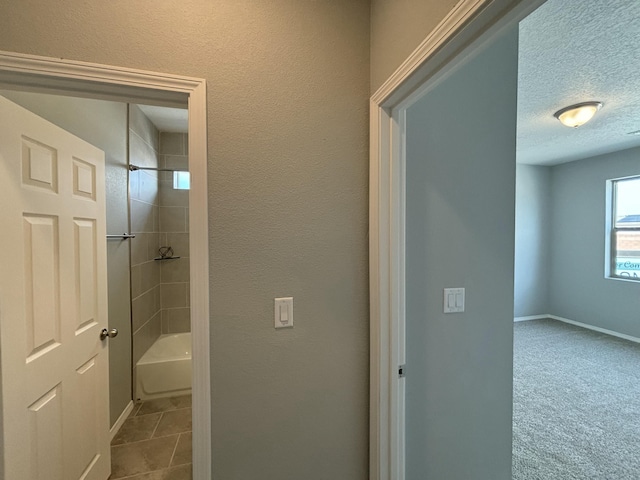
[174, 450]
[146, 291]
[146, 143]
[156, 428]
[146, 203]
[146, 415]
[147, 440]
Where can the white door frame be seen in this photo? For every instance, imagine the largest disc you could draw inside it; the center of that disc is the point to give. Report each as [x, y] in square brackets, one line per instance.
[49, 75]
[467, 28]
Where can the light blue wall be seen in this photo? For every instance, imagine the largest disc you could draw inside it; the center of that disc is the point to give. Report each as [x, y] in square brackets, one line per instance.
[533, 223]
[579, 290]
[460, 233]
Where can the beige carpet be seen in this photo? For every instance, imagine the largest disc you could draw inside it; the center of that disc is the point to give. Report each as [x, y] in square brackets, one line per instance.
[576, 404]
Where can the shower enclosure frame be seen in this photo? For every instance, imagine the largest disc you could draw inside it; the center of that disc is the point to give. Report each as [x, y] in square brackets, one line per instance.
[103, 82]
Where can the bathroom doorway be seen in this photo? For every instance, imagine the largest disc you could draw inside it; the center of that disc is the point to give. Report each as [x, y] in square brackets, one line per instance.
[192, 301]
[147, 242]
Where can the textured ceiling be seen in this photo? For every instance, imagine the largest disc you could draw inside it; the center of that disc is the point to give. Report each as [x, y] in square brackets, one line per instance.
[573, 51]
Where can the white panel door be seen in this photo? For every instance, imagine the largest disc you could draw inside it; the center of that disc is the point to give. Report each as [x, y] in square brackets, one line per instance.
[53, 302]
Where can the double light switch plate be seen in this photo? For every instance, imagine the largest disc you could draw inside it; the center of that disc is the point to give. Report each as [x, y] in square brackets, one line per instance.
[453, 300]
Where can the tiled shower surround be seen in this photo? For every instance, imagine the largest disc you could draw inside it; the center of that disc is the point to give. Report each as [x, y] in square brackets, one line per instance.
[174, 228]
[159, 218]
[145, 225]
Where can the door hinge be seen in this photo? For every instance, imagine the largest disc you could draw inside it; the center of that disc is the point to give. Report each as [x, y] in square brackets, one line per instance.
[402, 370]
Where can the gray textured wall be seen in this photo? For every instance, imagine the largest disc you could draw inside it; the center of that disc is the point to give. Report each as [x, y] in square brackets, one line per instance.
[397, 28]
[288, 84]
[103, 124]
[533, 225]
[460, 233]
[579, 290]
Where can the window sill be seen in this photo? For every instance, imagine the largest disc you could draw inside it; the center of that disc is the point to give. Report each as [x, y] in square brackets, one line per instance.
[623, 279]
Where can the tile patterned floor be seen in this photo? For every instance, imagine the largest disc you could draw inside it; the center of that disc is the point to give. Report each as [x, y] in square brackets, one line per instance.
[154, 443]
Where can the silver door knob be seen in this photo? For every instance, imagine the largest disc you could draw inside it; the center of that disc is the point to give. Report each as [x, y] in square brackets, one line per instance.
[108, 333]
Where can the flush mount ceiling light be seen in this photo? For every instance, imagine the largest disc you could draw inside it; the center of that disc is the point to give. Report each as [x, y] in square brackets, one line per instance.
[578, 114]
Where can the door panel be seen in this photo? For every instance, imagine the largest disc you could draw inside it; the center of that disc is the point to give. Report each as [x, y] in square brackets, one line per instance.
[45, 415]
[86, 281]
[42, 289]
[54, 367]
[85, 446]
[39, 165]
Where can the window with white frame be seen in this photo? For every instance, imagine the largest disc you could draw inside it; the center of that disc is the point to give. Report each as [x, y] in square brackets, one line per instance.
[181, 180]
[625, 228]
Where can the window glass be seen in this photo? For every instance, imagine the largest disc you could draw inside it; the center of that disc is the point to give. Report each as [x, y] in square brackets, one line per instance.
[181, 180]
[626, 229]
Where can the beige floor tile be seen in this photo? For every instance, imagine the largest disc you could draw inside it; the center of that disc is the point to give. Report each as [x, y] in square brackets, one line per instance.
[182, 455]
[183, 472]
[164, 404]
[140, 457]
[135, 429]
[174, 421]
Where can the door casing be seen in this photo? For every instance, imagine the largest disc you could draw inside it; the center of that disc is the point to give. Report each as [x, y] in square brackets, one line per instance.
[82, 79]
[469, 26]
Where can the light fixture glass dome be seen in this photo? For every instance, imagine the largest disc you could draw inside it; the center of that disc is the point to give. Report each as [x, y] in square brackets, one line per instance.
[578, 114]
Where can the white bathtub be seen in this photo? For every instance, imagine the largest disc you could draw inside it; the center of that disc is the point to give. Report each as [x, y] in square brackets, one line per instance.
[165, 369]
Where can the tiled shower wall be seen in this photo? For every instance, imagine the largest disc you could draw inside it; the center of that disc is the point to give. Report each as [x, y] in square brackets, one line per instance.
[145, 223]
[174, 228]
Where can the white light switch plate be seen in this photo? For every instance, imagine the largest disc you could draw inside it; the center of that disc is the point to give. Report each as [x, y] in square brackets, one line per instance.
[453, 300]
[283, 310]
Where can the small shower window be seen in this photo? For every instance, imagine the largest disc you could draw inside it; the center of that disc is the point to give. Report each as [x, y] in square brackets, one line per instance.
[181, 180]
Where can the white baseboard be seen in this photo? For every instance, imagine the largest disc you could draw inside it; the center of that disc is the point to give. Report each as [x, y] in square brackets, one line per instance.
[531, 317]
[597, 329]
[123, 416]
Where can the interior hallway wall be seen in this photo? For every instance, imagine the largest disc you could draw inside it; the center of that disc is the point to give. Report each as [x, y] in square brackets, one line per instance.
[397, 28]
[579, 290]
[288, 84]
[533, 236]
[103, 124]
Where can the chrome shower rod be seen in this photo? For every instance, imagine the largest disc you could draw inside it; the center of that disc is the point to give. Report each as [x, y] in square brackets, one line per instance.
[123, 236]
[133, 168]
